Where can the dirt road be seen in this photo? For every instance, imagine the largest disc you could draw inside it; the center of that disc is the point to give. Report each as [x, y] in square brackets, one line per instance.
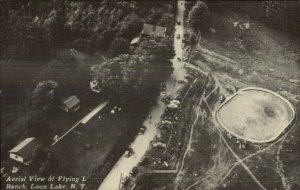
[142, 142]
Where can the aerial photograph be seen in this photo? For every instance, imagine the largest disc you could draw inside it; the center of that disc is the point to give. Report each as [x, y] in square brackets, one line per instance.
[150, 95]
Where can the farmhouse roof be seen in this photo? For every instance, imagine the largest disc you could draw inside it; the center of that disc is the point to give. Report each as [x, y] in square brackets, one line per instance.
[150, 29]
[26, 147]
[71, 101]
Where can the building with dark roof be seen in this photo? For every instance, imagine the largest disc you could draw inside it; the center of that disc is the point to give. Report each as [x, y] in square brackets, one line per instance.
[23, 151]
[149, 30]
[153, 30]
[70, 104]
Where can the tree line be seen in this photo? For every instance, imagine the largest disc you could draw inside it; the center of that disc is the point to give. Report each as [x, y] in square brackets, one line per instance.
[39, 28]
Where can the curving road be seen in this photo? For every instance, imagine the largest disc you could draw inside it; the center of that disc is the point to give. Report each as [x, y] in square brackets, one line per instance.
[142, 142]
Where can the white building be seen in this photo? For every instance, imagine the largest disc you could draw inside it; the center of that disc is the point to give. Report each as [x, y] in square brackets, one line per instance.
[23, 151]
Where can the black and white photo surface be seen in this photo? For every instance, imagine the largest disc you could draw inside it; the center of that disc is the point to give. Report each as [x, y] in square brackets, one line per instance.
[150, 95]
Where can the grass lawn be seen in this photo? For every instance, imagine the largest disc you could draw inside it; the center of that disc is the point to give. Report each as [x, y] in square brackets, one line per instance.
[88, 145]
[18, 78]
[253, 56]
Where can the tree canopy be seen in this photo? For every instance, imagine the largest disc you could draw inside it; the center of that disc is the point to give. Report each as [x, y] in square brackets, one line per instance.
[43, 94]
[198, 16]
[136, 76]
[38, 28]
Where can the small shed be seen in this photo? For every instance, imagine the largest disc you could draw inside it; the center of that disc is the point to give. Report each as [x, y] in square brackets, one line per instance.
[70, 104]
[23, 151]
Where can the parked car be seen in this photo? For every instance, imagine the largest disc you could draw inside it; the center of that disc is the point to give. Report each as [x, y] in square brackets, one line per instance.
[134, 172]
[126, 181]
[181, 82]
[178, 22]
[166, 122]
[128, 152]
[14, 169]
[142, 130]
[163, 88]
[188, 77]
[159, 145]
[167, 99]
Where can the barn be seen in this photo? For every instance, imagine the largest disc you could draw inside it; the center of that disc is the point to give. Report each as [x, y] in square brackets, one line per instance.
[149, 30]
[23, 151]
[153, 30]
[70, 104]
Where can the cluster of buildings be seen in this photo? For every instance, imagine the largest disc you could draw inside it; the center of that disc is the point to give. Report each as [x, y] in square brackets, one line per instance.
[24, 150]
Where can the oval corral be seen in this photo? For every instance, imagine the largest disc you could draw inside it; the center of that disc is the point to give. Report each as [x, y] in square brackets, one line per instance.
[256, 115]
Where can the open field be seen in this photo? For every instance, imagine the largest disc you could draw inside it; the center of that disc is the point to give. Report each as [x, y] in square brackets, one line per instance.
[258, 56]
[87, 146]
[262, 58]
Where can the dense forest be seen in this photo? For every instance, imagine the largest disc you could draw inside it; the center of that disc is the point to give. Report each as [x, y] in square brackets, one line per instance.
[36, 29]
